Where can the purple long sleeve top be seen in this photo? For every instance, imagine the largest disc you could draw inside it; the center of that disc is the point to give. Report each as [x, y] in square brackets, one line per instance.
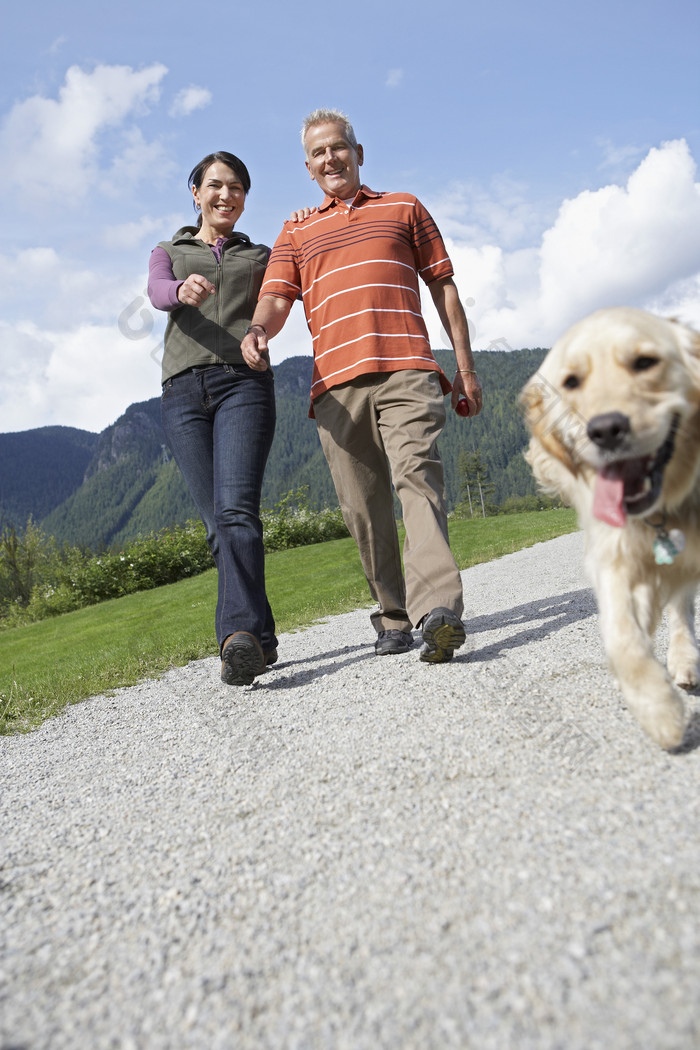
[162, 284]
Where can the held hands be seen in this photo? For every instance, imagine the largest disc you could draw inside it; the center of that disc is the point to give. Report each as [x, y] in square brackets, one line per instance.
[466, 385]
[254, 348]
[195, 290]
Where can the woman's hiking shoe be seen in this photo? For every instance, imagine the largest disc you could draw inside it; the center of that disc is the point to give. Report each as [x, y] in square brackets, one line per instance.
[242, 659]
[270, 658]
[390, 642]
[443, 632]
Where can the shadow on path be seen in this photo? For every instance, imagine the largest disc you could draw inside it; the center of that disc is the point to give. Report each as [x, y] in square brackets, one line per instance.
[316, 665]
[691, 737]
[539, 619]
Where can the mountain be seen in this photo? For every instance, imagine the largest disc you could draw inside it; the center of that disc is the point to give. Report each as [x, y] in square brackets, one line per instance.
[498, 433]
[100, 490]
[125, 481]
[39, 469]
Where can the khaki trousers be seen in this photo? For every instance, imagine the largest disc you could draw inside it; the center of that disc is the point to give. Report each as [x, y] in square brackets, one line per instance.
[374, 430]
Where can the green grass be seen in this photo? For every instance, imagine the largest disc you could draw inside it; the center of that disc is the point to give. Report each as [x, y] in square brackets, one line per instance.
[47, 665]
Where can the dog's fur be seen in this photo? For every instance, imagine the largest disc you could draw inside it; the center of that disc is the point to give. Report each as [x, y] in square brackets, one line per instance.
[606, 398]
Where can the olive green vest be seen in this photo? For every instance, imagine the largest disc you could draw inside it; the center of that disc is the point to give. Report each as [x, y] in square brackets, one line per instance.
[211, 334]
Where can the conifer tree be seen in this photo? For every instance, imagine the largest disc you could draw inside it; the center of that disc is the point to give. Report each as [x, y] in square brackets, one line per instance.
[474, 480]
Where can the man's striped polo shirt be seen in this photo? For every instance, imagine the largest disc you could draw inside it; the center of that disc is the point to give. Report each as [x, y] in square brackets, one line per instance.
[356, 268]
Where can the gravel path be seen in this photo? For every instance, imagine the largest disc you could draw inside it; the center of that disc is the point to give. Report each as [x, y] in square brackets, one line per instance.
[361, 853]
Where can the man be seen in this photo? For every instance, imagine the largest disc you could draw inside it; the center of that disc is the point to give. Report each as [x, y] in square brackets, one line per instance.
[377, 392]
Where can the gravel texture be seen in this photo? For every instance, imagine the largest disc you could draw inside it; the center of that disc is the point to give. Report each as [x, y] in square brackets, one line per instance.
[360, 853]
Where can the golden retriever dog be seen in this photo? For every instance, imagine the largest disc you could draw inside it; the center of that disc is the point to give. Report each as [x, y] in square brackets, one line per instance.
[614, 414]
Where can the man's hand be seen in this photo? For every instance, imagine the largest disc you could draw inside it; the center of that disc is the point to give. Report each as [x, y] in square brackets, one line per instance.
[255, 349]
[301, 213]
[451, 313]
[269, 317]
[195, 290]
[466, 384]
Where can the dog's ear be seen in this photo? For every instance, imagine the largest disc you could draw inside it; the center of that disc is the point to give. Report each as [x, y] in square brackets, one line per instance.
[544, 415]
[689, 345]
[552, 475]
[532, 399]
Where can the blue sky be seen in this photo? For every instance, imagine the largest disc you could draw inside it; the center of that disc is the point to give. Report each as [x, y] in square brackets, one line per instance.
[555, 144]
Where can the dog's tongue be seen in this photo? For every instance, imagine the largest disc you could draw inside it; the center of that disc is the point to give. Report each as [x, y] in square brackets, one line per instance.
[607, 499]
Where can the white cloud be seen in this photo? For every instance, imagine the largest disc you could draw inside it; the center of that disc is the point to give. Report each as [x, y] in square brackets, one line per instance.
[58, 140]
[83, 377]
[88, 374]
[503, 212]
[635, 244]
[394, 78]
[623, 244]
[56, 45]
[58, 293]
[294, 340]
[147, 230]
[84, 342]
[618, 159]
[190, 99]
[680, 300]
[137, 157]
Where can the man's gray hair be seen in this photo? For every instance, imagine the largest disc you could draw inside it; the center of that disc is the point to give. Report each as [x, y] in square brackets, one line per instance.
[328, 116]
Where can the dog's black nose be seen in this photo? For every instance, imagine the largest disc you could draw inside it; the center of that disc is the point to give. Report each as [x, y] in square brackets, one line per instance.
[608, 430]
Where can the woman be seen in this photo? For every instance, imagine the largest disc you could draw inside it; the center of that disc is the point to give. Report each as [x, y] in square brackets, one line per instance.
[217, 413]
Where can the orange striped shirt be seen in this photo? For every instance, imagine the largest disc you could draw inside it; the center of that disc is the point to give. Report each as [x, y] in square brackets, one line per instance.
[356, 268]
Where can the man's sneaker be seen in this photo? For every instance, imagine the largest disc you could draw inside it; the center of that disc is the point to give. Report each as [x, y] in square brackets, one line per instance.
[390, 642]
[443, 632]
[241, 659]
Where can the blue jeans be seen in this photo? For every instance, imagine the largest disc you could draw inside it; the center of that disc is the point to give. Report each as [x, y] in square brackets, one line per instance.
[219, 422]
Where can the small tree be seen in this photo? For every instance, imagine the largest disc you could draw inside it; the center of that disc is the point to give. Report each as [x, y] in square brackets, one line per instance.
[474, 481]
[464, 476]
[21, 558]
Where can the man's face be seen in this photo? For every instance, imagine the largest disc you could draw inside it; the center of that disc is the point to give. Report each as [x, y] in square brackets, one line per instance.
[332, 162]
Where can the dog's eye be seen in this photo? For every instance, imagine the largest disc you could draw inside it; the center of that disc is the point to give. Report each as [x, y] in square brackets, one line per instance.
[644, 362]
[571, 382]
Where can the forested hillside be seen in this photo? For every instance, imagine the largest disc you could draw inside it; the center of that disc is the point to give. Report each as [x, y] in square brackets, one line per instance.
[41, 468]
[123, 483]
[498, 432]
[103, 490]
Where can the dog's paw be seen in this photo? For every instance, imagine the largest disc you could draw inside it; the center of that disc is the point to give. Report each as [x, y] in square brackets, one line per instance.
[683, 659]
[686, 679]
[687, 675]
[664, 721]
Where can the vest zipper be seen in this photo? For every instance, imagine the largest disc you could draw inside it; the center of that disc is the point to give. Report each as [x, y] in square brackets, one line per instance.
[219, 285]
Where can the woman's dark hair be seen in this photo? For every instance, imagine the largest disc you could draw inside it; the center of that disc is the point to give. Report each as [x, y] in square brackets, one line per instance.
[234, 163]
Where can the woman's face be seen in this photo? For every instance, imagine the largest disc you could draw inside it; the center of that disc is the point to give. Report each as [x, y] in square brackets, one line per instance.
[221, 198]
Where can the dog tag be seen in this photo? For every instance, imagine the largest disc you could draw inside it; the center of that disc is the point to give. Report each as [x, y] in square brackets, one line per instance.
[677, 538]
[664, 551]
[667, 546]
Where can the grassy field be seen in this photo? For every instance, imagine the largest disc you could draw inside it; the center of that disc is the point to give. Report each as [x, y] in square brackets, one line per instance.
[47, 665]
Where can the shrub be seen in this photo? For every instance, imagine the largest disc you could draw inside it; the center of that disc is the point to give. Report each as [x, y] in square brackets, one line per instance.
[292, 523]
[73, 578]
[38, 580]
[522, 504]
